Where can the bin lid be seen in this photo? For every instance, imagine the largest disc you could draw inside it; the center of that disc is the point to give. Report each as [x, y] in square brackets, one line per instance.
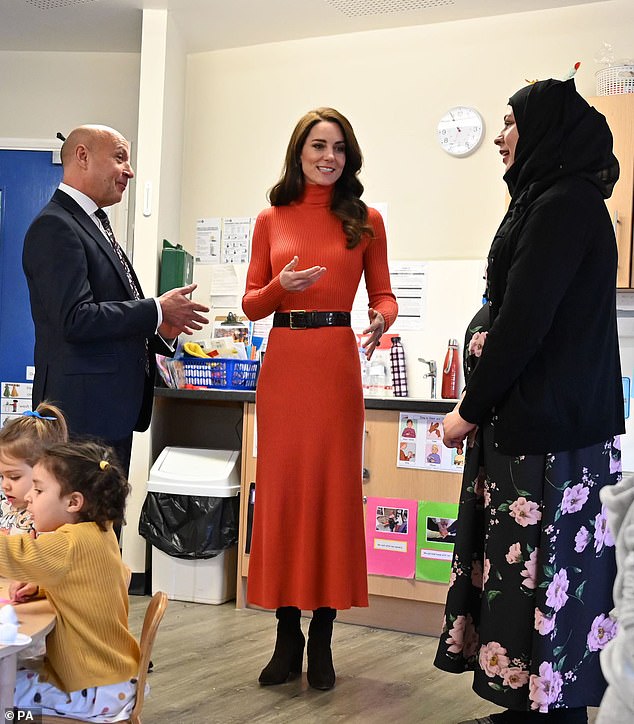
[196, 471]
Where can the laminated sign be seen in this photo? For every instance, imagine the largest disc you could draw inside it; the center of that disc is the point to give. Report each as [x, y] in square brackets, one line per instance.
[390, 536]
[435, 540]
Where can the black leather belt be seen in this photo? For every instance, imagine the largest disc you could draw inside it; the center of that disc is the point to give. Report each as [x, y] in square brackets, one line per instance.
[300, 319]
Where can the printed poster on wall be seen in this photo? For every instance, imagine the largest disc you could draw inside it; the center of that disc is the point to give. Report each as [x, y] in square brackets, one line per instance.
[390, 536]
[436, 534]
[208, 234]
[16, 399]
[420, 444]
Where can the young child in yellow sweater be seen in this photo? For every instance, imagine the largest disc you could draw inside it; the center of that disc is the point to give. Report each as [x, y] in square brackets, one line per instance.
[22, 440]
[91, 659]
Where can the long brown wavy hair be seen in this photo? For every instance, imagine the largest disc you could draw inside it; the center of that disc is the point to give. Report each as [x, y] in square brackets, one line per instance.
[346, 201]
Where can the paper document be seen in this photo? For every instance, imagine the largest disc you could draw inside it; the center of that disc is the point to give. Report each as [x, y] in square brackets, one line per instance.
[208, 234]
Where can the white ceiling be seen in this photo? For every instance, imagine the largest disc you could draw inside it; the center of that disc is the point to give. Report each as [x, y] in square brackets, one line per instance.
[115, 25]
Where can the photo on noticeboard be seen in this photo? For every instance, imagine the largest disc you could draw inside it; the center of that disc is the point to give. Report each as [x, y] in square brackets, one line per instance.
[391, 520]
[440, 530]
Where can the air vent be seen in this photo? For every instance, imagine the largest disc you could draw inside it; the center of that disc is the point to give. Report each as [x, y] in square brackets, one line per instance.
[353, 8]
[52, 4]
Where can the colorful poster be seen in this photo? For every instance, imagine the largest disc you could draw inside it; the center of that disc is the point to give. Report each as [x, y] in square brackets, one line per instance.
[420, 444]
[390, 537]
[435, 540]
[16, 399]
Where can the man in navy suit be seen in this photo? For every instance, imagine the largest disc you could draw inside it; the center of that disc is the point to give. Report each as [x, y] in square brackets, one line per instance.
[95, 334]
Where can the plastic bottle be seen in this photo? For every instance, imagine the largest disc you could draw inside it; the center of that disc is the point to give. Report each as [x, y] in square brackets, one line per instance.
[365, 372]
[399, 372]
[449, 389]
[377, 380]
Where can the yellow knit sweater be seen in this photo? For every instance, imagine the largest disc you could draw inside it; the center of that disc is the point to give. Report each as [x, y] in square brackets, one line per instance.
[80, 567]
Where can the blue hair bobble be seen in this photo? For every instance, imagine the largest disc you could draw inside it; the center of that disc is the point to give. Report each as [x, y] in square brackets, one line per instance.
[35, 413]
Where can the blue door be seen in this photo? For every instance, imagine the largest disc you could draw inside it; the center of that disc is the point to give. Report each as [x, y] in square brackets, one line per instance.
[27, 182]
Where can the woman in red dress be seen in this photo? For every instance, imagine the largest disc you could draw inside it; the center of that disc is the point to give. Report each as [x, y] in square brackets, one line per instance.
[310, 249]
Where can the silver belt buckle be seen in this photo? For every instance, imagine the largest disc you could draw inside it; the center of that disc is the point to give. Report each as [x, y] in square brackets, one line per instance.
[297, 319]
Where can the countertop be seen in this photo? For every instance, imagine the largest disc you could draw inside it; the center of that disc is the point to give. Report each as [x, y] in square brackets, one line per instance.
[405, 404]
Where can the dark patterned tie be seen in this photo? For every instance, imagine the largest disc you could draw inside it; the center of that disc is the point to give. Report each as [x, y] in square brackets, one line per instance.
[105, 223]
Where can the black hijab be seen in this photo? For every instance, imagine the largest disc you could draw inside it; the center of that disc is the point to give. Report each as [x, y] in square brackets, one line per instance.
[559, 135]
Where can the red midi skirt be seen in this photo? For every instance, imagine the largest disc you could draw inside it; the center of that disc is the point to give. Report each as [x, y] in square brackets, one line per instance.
[308, 545]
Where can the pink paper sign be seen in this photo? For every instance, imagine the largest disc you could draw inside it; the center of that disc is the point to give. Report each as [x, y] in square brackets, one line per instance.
[390, 537]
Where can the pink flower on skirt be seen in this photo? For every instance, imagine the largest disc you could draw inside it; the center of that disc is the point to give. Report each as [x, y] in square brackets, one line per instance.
[477, 343]
[493, 659]
[514, 677]
[603, 629]
[471, 639]
[479, 483]
[476, 574]
[487, 497]
[455, 635]
[530, 571]
[544, 624]
[557, 591]
[462, 637]
[515, 554]
[545, 688]
[525, 512]
[486, 571]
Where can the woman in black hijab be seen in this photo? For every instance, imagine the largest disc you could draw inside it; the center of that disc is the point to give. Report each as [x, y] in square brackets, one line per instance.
[529, 601]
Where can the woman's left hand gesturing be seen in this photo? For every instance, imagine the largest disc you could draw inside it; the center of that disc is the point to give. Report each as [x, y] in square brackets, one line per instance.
[375, 330]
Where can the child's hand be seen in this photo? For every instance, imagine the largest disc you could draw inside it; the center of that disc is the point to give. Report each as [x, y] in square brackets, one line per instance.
[19, 591]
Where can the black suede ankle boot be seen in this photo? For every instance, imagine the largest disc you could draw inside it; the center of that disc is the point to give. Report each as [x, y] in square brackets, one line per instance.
[286, 661]
[321, 672]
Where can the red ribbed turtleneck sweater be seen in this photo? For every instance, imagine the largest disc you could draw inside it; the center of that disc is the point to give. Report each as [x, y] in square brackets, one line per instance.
[307, 228]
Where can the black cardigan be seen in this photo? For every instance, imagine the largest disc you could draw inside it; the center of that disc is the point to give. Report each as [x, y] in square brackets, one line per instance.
[550, 375]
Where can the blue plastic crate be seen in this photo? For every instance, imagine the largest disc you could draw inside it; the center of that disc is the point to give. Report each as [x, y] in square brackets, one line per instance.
[224, 374]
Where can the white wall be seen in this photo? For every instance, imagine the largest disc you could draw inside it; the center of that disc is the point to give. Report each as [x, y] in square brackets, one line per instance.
[393, 85]
[43, 93]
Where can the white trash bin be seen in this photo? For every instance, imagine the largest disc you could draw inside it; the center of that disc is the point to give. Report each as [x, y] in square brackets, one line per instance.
[196, 472]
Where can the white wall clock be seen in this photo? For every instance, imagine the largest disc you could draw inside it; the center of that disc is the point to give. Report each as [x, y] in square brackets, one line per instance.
[460, 131]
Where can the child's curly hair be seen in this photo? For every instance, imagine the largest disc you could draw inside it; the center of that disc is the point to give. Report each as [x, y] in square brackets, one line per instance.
[92, 470]
[26, 436]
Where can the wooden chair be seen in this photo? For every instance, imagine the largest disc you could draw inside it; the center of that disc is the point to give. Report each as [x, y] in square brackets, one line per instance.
[153, 617]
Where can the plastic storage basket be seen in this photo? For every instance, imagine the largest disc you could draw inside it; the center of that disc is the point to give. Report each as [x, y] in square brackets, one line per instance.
[225, 374]
[615, 80]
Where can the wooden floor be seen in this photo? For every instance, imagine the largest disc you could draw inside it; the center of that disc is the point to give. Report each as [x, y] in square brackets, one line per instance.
[207, 660]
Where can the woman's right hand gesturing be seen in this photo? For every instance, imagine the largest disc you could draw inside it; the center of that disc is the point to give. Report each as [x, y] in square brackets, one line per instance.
[297, 281]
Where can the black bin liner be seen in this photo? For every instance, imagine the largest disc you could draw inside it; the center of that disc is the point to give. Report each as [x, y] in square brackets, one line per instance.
[190, 526]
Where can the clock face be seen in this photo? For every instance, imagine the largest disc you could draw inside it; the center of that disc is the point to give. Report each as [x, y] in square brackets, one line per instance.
[460, 131]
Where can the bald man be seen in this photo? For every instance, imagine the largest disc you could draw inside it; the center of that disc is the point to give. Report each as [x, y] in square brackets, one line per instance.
[95, 333]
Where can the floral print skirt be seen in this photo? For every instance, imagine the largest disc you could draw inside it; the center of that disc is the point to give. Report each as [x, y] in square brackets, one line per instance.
[531, 584]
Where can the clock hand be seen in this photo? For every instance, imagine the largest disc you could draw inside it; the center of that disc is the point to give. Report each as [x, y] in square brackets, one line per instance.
[454, 120]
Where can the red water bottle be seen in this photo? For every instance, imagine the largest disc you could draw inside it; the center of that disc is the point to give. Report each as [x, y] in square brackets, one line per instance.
[450, 372]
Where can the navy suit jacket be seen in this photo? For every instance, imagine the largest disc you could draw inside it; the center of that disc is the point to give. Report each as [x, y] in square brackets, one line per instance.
[89, 330]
